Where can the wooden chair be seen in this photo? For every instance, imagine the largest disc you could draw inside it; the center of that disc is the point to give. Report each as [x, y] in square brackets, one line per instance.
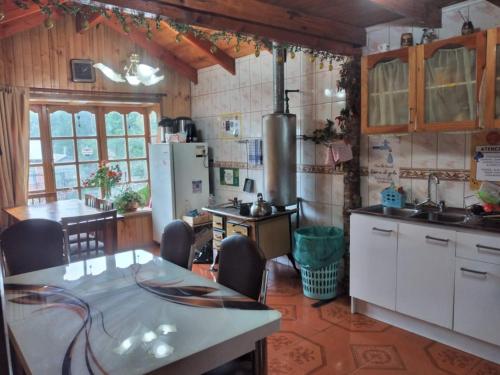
[242, 267]
[91, 200]
[104, 204]
[31, 245]
[176, 242]
[90, 236]
[38, 198]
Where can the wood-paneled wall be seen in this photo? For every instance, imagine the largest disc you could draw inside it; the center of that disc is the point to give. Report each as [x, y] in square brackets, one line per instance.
[40, 58]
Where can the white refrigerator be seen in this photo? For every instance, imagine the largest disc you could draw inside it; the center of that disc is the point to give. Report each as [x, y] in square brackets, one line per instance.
[179, 181]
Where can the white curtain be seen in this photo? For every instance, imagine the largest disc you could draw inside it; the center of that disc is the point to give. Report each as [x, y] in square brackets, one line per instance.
[388, 93]
[450, 85]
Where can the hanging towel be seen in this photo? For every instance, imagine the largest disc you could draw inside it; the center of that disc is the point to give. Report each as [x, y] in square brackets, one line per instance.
[255, 151]
[338, 152]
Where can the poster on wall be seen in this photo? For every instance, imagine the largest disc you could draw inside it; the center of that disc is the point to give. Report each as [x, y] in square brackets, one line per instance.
[230, 176]
[488, 163]
[230, 125]
[383, 160]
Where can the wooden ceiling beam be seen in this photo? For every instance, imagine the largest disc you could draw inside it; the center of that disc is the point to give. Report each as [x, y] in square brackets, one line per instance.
[218, 57]
[24, 24]
[272, 15]
[155, 50]
[13, 13]
[421, 12]
[494, 2]
[236, 25]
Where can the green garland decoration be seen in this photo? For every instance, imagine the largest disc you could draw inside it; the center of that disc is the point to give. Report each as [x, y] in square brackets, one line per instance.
[139, 21]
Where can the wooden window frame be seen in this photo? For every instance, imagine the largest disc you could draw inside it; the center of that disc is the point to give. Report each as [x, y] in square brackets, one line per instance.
[44, 110]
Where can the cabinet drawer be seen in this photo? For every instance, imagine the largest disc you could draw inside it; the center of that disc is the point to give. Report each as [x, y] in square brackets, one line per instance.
[479, 246]
[477, 300]
[218, 222]
[218, 235]
[233, 228]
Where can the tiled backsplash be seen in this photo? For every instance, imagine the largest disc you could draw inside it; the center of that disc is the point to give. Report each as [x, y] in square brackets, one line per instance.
[250, 92]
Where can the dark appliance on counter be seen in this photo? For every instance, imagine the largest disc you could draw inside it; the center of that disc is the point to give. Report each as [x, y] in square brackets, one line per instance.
[187, 126]
[168, 126]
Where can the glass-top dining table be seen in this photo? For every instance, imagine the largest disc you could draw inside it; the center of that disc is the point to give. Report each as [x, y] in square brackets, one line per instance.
[129, 313]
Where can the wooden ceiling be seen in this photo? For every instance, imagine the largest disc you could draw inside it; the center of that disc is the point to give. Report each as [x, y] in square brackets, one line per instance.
[334, 25]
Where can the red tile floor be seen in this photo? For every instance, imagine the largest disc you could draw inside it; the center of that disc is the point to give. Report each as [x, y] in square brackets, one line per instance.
[329, 340]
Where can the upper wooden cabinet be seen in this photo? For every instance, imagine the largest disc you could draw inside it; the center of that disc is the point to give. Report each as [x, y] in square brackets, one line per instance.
[387, 97]
[432, 87]
[449, 74]
[492, 106]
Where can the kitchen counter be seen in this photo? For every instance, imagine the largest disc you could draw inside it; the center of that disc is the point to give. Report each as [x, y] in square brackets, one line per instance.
[235, 213]
[477, 224]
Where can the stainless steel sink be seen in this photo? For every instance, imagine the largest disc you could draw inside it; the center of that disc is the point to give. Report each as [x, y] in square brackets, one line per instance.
[392, 211]
[442, 217]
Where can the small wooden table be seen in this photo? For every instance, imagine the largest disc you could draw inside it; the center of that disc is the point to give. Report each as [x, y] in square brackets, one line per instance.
[55, 211]
[52, 211]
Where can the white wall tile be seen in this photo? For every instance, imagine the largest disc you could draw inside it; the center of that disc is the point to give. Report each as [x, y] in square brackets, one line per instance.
[451, 151]
[338, 189]
[243, 72]
[256, 97]
[255, 72]
[424, 152]
[323, 188]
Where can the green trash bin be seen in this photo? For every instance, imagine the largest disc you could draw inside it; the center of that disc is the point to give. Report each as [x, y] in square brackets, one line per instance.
[319, 251]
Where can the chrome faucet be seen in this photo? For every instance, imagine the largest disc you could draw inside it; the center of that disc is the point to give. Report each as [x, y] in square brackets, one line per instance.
[428, 201]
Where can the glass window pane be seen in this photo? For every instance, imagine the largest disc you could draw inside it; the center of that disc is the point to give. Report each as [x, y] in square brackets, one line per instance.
[96, 192]
[124, 169]
[86, 169]
[135, 123]
[87, 149]
[138, 170]
[61, 124]
[115, 124]
[63, 150]
[67, 194]
[153, 123]
[85, 125]
[65, 176]
[36, 151]
[35, 179]
[136, 148]
[116, 148]
[34, 125]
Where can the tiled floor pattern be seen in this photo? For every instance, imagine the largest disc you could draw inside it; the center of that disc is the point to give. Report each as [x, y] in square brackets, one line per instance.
[330, 340]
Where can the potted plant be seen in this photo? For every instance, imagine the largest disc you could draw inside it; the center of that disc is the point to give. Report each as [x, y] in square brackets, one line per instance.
[105, 177]
[128, 200]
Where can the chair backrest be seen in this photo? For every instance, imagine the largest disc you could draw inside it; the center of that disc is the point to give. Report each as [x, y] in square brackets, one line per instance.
[104, 204]
[86, 235]
[32, 245]
[176, 242]
[37, 198]
[91, 200]
[241, 266]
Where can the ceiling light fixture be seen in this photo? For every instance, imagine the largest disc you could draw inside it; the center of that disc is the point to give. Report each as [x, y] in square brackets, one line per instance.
[135, 73]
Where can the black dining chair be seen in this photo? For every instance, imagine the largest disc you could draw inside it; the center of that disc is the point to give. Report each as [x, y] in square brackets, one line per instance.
[242, 268]
[89, 236]
[176, 241]
[32, 245]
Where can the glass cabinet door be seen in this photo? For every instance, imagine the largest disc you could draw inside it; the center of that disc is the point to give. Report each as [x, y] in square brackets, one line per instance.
[449, 76]
[492, 99]
[386, 93]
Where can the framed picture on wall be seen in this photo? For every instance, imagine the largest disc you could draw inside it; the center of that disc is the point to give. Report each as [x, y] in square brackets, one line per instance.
[82, 70]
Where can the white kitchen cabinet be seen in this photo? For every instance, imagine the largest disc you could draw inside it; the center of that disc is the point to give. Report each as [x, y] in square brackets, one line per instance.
[479, 246]
[425, 273]
[477, 300]
[373, 260]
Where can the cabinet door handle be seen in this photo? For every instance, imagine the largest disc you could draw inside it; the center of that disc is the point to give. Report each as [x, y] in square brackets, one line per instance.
[382, 230]
[482, 273]
[444, 240]
[487, 248]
